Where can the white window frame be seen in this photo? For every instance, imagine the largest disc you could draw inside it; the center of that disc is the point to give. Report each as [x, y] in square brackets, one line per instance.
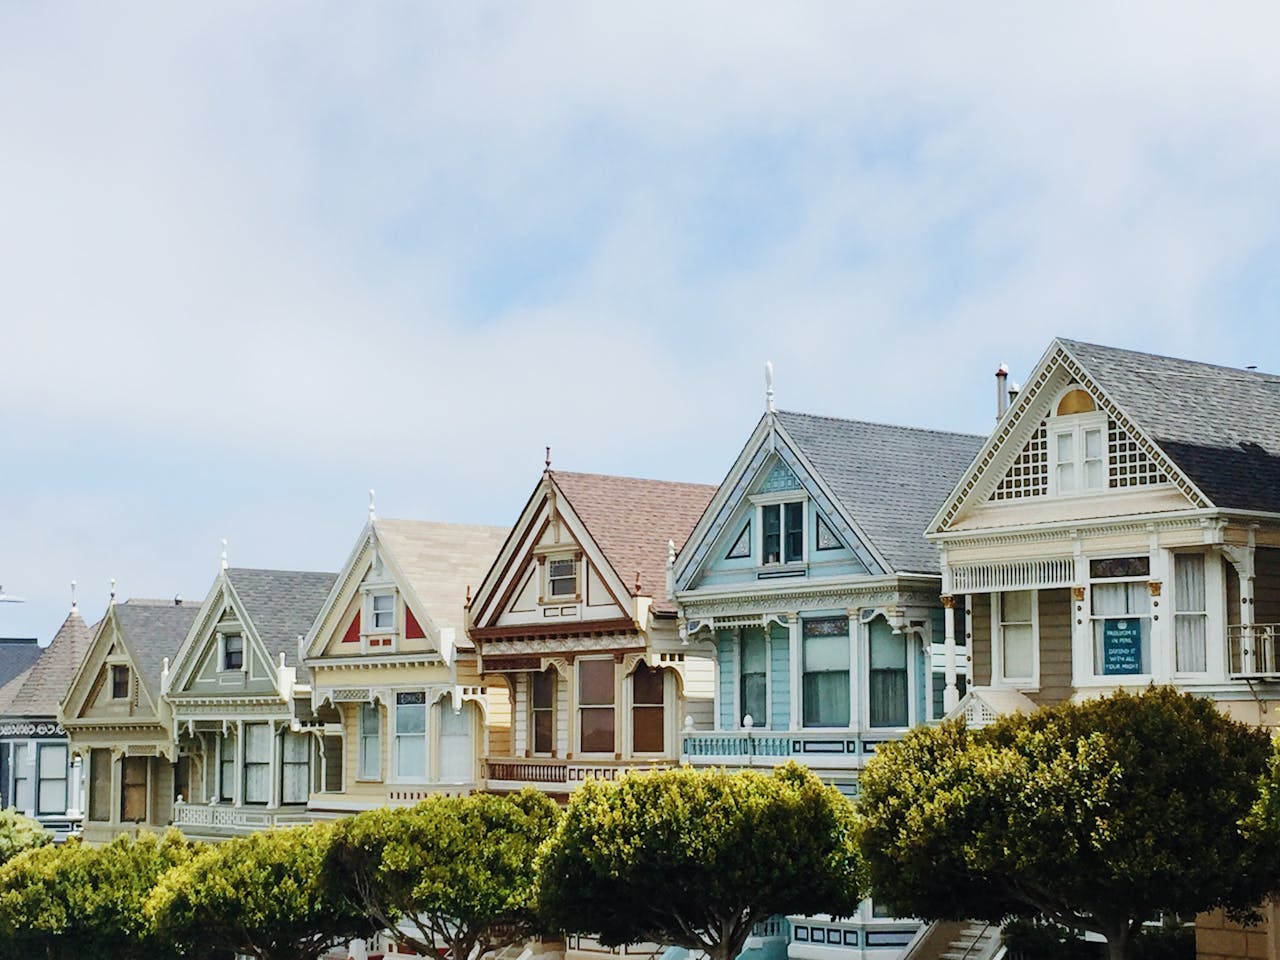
[575, 558]
[256, 762]
[374, 612]
[40, 779]
[757, 723]
[618, 733]
[1214, 612]
[780, 500]
[1031, 683]
[397, 738]
[864, 672]
[1118, 679]
[1077, 425]
[222, 653]
[363, 734]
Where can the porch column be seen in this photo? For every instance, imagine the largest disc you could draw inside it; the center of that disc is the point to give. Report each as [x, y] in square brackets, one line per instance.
[238, 793]
[796, 680]
[951, 692]
[1242, 558]
[75, 791]
[273, 771]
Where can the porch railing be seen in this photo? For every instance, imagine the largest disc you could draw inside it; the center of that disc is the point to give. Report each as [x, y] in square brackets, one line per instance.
[838, 748]
[224, 819]
[1253, 650]
[555, 771]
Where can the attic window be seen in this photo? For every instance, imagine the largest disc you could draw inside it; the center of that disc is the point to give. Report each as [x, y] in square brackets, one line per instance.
[562, 578]
[119, 682]
[233, 653]
[384, 611]
[1076, 401]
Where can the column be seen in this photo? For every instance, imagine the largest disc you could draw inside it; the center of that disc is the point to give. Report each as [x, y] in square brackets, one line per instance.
[238, 793]
[951, 692]
[273, 771]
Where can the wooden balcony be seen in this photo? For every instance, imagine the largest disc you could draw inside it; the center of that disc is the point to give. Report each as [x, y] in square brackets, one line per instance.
[514, 773]
[1253, 651]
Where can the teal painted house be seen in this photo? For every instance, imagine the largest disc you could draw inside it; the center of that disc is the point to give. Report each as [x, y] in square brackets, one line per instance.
[809, 582]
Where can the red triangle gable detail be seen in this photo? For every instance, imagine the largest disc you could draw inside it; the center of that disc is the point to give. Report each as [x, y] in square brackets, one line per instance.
[353, 632]
[412, 630]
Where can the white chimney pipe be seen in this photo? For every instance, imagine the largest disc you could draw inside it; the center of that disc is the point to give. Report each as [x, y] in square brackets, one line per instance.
[1002, 390]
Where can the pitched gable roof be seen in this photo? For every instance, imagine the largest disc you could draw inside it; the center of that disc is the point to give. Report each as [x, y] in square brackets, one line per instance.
[37, 691]
[888, 479]
[17, 656]
[631, 521]
[153, 630]
[1219, 425]
[439, 561]
[281, 605]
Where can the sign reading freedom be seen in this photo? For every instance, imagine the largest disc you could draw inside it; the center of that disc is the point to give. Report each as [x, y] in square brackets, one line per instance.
[1122, 646]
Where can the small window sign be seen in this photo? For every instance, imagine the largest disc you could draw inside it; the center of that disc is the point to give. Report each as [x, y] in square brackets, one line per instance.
[1121, 646]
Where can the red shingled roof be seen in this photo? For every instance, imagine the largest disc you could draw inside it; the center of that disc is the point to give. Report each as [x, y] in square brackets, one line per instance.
[631, 521]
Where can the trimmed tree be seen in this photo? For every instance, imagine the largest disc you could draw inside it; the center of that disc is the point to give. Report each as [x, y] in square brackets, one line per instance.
[263, 895]
[76, 902]
[697, 858]
[456, 872]
[1096, 815]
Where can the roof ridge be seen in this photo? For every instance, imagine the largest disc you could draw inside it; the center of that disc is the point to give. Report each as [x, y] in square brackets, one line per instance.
[617, 476]
[438, 523]
[890, 426]
[318, 573]
[1238, 371]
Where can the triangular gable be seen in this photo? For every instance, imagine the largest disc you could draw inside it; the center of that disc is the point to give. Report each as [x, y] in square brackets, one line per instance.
[514, 592]
[336, 631]
[196, 667]
[89, 695]
[1014, 462]
[770, 462]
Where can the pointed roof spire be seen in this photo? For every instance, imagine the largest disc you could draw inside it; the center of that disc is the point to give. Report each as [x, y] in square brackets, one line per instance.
[74, 607]
[768, 387]
[224, 553]
[372, 513]
[547, 468]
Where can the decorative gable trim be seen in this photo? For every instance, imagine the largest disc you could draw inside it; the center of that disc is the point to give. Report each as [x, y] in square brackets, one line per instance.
[91, 675]
[989, 469]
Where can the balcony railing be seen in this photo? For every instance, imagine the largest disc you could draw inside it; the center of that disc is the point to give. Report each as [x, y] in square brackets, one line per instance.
[1253, 650]
[225, 820]
[502, 771]
[825, 748]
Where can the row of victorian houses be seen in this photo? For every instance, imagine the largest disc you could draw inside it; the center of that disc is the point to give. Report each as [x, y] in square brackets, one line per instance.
[845, 582]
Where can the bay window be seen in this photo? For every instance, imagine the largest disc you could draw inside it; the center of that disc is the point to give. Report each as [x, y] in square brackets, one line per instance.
[1120, 613]
[887, 677]
[826, 663]
[752, 677]
[595, 711]
[647, 710]
[1190, 613]
[411, 736]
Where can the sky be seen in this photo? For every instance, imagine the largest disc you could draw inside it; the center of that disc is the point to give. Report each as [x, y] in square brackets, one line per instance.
[256, 259]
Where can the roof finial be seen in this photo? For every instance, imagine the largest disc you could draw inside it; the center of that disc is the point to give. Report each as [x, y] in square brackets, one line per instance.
[768, 386]
[112, 600]
[548, 466]
[468, 595]
[224, 553]
[372, 514]
[637, 583]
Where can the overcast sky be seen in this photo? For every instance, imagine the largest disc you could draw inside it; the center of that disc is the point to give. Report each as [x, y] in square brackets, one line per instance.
[258, 258]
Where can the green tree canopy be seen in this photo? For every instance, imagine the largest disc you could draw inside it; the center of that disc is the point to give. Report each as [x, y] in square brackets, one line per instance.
[76, 902]
[18, 833]
[263, 895]
[1096, 815]
[453, 871]
[696, 858]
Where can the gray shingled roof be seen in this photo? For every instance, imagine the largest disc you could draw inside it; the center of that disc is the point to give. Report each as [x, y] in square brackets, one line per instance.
[890, 480]
[40, 688]
[1220, 425]
[281, 605]
[153, 630]
[17, 655]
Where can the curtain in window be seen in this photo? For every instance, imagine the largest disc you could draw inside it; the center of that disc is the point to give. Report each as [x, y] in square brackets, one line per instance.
[1113, 600]
[1016, 635]
[295, 768]
[825, 685]
[227, 783]
[457, 753]
[888, 677]
[257, 763]
[23, 792]
[1189, 619]
[753, 694]
[51, 794]
[370, 743]
[411, 736]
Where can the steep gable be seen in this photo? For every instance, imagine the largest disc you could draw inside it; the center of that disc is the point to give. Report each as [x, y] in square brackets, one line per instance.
[37, 691]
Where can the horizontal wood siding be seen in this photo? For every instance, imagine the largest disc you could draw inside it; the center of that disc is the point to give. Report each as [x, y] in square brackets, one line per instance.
[500, 720]
[725, 649]
[1266, 585]
[981, 642]
[699, 692]
[1055, 646]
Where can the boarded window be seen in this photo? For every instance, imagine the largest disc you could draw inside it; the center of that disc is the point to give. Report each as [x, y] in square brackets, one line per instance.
[647, 710]
[133, 789]
[100, 785]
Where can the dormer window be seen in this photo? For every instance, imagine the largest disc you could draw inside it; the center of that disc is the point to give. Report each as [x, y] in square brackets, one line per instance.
[562, 578]
[782, 532]
[233, 652]
[383, 610]
[119, 682]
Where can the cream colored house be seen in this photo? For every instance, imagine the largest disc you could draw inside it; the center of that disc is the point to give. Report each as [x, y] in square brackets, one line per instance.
[118, 724]
[393, 675]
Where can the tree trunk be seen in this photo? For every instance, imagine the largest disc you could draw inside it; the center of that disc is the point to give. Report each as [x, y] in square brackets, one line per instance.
[1118, 943]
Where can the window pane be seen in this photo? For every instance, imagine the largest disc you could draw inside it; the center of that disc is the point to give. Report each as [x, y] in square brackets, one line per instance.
[411, 757]
[753, 650]
[297, 747]
[1189, 637]
[826, 653]
[887, 693]
[1188, 582]
[1117, 650]
[595, 681]
[411, 718]
[1016, 607]
[772, 530]
[1092, 444]
[1065, 445]
[53, 761]
[133, 801]
[795, 531]
[597, 730]
[1017, 651]
[1094, 475]
[257, 742]
[646, 686]
[647, 733]
[99, 785]
[544, 689]
[228, 784]
[1112, 567]
[543, 732]
[754, 698]
[119, 682]
[825, 699]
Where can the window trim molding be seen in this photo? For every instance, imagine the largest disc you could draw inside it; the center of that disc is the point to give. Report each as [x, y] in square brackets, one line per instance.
[1029, 684]
[1077, 424]
[363, 776]
[579, 706]
[1093, 677]
[394, 773]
